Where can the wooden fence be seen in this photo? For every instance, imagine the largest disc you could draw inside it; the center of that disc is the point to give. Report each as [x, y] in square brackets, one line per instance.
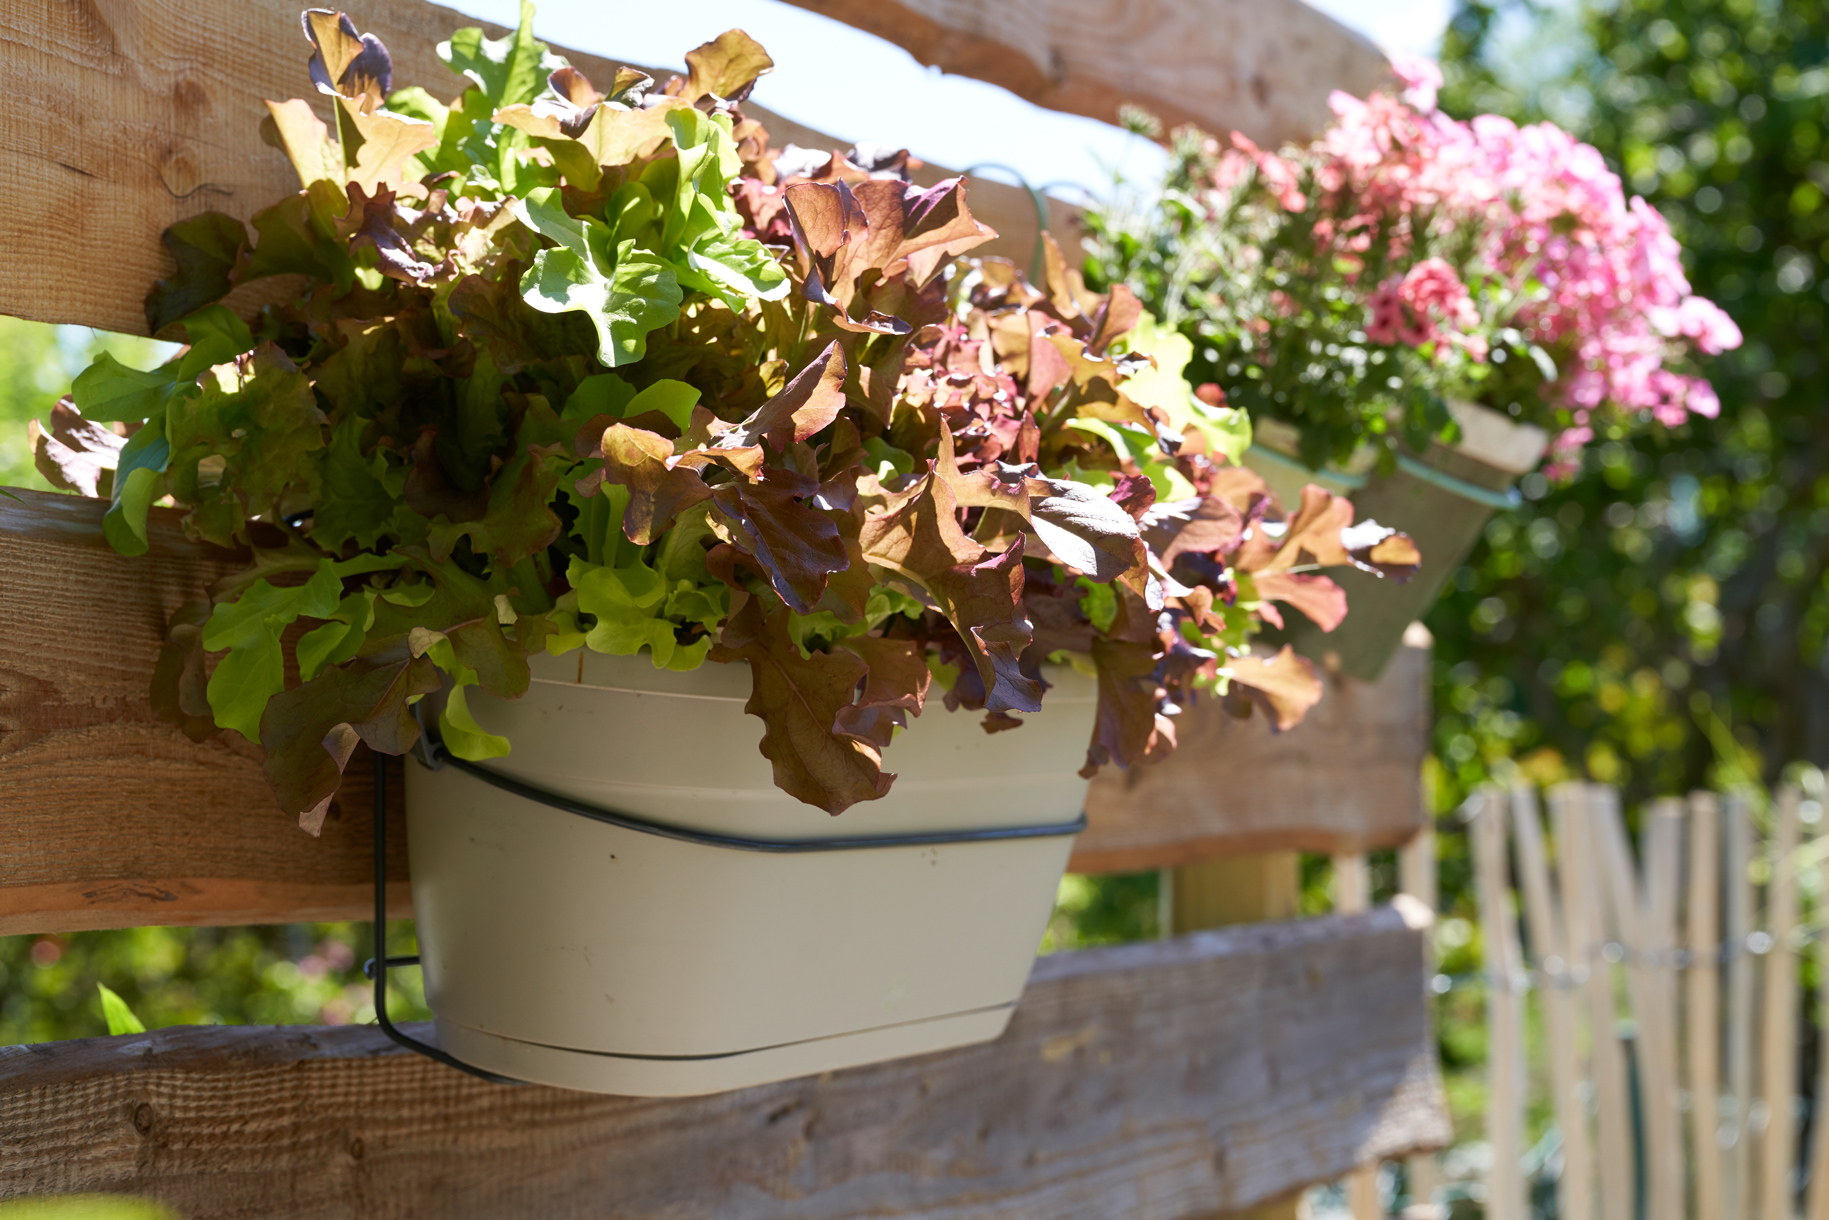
[1667, 988]
[1295, 1053]
[1206, 1074]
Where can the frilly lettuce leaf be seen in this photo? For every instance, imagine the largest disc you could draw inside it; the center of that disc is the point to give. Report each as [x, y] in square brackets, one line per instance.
[555, 379]
[1227, 429]
[624, 292]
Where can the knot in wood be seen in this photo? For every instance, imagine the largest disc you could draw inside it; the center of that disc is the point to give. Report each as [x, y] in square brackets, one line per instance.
[180, 173]
[142, 1118]
[190, 95]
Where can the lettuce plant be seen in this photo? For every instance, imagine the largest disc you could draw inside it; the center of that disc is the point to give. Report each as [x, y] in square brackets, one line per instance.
[561, 368]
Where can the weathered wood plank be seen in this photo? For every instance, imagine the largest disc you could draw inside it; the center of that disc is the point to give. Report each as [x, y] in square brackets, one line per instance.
[1347, 779]
[1263, 68]
[119, 117]
[1150, 1081]
[115, 819]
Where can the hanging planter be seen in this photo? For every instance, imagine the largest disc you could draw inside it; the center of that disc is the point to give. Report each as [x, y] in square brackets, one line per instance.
[1359, 293]
[603, 438]
[1442, 498]
[722, 934]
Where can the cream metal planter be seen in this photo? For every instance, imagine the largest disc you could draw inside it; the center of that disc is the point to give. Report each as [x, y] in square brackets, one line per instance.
[1442, 498]
[566, 950]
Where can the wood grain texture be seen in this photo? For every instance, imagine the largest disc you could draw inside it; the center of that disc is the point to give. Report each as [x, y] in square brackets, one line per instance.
[119, 117]
[1263, 67]
[1151, 1081]
[1347, 779]
[116, 820]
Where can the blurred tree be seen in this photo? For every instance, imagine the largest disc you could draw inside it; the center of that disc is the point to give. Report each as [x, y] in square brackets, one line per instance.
[1661, 620]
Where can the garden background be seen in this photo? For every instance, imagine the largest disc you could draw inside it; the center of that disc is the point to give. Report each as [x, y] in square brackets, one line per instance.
[1659, 622]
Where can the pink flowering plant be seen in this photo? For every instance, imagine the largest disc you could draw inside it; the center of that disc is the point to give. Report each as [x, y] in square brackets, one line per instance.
[1353, 285]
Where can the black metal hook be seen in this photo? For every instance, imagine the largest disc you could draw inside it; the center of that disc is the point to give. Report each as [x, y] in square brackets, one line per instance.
[377, 967]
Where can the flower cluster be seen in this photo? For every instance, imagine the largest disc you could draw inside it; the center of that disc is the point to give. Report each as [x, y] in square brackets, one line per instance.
[1421, 257]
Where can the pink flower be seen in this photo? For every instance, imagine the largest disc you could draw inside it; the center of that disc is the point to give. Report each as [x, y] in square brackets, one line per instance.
[1230, 170]
[1387, 309]
[1476, 347]
[1530, 216]
[1406, 309]
[1432, 285]
[1421, 77]
[1704, 321]
[1280, 174]
[1701, 399]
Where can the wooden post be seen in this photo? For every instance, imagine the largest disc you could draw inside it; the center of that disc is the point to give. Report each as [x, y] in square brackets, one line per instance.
[1549, 936]
[1238, 890]
[1582, 896]
[1778, 1040]
[1352, 883]
[1738, 909]
[1702, 1001]
[1241, 889]
[1505, 1195]
[1416, 876]
[1353, 895]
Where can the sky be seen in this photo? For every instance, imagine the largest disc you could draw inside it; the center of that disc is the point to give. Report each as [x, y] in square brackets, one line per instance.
[856, 86]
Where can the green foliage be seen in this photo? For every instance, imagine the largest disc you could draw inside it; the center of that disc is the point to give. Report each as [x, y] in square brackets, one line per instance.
[1108, 910]
[1661, 621]
[51, 987]
[115, 1012]
[37, 363]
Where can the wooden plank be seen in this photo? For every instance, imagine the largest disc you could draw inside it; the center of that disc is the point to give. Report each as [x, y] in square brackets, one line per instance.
[1264, 67]
[119, 118]
[1738, 908]
[1660, 855]
[113, 818]
[1160, 1080]
[1505, 983]
[116, 820]
[1549, 940]
[1779, 1014]
[1702, 1002]
[1578, 852]
[1347, 779]
[1416, 877]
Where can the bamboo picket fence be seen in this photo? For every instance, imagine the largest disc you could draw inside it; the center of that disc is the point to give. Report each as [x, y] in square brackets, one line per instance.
[1665, 985]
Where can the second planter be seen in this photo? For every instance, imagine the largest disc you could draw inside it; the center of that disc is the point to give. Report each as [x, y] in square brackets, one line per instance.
[1442, 499]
